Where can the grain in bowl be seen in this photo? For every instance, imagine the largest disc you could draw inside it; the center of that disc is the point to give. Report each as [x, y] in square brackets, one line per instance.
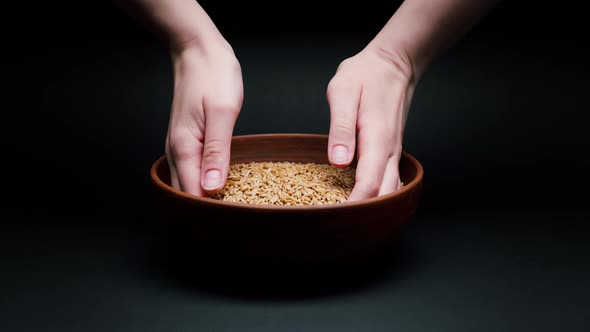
[287, 183]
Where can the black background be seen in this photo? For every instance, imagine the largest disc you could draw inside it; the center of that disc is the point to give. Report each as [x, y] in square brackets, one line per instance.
[499, 122]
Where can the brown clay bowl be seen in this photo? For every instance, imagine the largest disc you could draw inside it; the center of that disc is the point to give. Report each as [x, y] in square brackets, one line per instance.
[319, 233]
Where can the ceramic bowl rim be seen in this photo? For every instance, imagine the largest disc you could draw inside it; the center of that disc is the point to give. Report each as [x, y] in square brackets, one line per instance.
[278, 208]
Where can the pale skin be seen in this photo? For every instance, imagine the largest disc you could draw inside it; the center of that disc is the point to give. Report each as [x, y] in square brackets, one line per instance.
[369, 96]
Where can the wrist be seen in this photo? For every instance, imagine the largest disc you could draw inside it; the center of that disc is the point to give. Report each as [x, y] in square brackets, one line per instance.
[199, 41]
[213, 46]
[197, 56]
[396, 57]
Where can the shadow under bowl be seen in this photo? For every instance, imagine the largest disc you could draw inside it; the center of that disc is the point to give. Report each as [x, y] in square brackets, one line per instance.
[237, 232]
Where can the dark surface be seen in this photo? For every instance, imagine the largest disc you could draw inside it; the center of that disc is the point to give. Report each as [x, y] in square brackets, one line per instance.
[499, 122]
[454, 272]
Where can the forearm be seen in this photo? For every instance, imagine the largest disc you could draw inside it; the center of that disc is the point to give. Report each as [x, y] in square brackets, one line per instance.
[421, 29]
[180, 22]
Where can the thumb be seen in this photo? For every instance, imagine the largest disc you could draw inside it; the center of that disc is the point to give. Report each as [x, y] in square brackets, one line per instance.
[344, 104]
[219, 125]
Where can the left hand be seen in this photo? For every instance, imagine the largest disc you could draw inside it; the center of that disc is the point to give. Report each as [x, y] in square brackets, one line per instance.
[370, 93]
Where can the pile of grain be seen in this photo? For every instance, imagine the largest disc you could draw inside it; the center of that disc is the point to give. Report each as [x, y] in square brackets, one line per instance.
[286, 183]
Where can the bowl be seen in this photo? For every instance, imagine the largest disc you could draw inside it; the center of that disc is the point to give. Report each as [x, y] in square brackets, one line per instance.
[317, 233]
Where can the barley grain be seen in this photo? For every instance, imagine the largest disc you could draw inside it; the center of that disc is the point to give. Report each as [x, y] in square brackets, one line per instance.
[287, 183]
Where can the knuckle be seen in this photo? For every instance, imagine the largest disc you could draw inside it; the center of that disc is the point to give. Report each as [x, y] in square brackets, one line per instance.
[214, 151]
[397, 151]
[345, 63]
[181, 147]
[229, 107]
[339, 85]
[331, 87]
[344, 129]
[368, 185]
[374, 135]
[333, 84]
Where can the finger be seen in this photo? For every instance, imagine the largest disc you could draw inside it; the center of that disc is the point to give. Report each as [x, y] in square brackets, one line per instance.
[173, 174]
[186, 160]
[171, 166]
[391, 181]
[371, 165]
[219, 125]
[189, 172]
[344, 104]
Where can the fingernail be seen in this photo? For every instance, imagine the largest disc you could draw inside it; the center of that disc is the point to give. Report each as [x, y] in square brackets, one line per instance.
[340, 154]
[212, 179]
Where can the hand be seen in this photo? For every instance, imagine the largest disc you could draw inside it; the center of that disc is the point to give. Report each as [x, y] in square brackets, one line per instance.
[371, 94]
[208, 93]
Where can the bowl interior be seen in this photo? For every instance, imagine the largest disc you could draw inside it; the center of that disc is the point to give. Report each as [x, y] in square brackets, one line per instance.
[305, 148]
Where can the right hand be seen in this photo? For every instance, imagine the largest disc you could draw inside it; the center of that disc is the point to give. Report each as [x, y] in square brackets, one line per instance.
[369, 99]
[208, 93]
